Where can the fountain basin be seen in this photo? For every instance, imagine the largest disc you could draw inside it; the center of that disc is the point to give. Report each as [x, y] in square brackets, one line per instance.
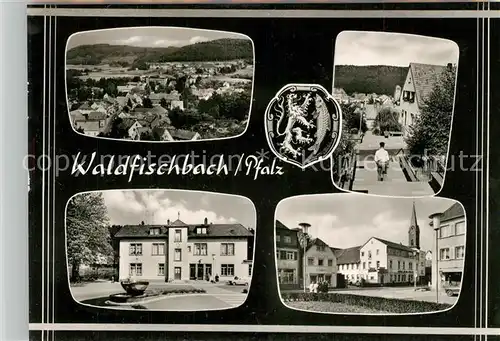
[135, 288]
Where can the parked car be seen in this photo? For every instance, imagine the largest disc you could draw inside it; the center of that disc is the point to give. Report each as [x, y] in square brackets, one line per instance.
[452, 288]
[238, 281]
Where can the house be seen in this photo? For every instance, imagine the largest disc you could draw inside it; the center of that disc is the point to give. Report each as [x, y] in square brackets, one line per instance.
[340, 96]
[177, 104]
[157, 97]
[132, 126]
[348, 262]
[178, 251]
[183, 135]
[321, 263]
[450, 239]
[288, 256]
[420, 81]
[91, 122]
[397, 94]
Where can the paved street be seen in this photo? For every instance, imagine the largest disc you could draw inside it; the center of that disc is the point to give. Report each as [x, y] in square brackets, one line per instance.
[404, 293]
[216, 296]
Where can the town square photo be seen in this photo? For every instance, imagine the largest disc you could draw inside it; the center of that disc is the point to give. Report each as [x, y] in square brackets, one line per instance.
[159, 83]
[395, 256]
[397, 96]
[170, 250]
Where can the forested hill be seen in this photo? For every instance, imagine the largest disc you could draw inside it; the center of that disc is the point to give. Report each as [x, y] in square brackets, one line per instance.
[379, 79]
[215, 50]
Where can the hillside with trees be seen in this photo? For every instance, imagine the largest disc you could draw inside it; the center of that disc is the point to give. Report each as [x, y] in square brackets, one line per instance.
[215, 50]
[379, 79]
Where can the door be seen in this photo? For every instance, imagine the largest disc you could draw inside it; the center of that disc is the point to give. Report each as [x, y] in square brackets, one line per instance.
[208, 271]
[177, 273]
[199, 274]
[192, 271]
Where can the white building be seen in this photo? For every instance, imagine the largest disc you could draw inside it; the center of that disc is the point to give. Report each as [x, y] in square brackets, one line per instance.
[450, 241]
[321, 263]
[348, 263]
[180, 251]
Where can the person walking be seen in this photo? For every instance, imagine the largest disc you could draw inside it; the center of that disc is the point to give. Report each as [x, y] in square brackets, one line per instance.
[382, 160]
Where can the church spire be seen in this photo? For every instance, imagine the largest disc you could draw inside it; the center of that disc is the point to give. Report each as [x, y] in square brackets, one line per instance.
[414, 229]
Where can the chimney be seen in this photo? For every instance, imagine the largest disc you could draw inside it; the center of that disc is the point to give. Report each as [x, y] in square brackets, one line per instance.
[206, 221]
[168, 221]
[142, 222]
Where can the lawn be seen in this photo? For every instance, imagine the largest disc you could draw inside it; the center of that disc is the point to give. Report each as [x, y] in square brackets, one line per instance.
[333, 307]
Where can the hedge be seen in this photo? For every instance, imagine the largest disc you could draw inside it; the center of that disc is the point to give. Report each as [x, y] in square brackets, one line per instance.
[391, 305]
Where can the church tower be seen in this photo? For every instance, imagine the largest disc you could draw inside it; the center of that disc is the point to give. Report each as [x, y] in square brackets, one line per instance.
[414, 230]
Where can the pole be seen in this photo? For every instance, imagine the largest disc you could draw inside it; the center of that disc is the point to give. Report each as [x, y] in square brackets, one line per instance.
[304, 274]
[415, 273]
[437, 269]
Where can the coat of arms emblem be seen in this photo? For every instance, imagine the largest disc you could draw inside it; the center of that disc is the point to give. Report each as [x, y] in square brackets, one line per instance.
[303, 124]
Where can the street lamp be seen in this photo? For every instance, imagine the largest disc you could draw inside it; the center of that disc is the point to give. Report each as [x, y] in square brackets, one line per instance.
[436, 223]
[303, 243]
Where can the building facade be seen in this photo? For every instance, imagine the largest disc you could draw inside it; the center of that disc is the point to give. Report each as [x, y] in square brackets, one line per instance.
[179, 251]
[450, 229]
[288, 256]
[321, 263]
[348, 263]
[419, 83]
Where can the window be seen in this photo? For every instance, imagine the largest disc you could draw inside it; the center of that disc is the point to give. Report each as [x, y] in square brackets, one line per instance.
[444, 231]
[404, 265]
[178, 236]
[320, 248]
[362, 253]
[377, 252]
[320, 262]
[378, 264]
[158, 249]
[290, 255]
[278, 254]
[287, 276]
[444, 254]
[459, 252]
[200, 249]
[390, 264]
[330, 262]
[310, 261]
[161, 269]
[278, 239]
[399, 265]
[249, 270]
[135, 249]
[201, 230]
[410, 266]
[227, 249]
[154, 231]
[460, 227]
[177, 255]
[369, 265]
[227, 269]
[364, 265]
[189, 249]
[135, 269]
[369, 255]
[288, 240]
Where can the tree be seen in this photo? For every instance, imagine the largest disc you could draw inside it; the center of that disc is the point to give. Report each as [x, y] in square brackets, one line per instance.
[431, 130]
[88, 236]
[387, 120]
[353, 114]
[129, 103]
[163, 102]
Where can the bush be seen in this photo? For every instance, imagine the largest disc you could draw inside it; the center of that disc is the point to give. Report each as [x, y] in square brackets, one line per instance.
[323, 287]
[376, 131]
[387, 120]
[378, 303]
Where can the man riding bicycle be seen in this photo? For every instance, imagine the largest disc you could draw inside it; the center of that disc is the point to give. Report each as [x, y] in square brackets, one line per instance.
[382, 161]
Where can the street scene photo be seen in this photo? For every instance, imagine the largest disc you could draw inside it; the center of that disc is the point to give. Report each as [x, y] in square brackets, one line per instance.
[401, 256]
[169, 250]
[159, 83]
[397, 95]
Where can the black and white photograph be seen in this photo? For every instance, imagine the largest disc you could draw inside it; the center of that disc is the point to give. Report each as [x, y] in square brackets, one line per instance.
[159, 83]
[397, 96]
[303, 124]
[169, 250]
[399, 256]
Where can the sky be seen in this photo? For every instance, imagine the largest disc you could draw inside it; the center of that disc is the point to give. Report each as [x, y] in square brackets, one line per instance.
[158, 206]
[149, 36]
[396, 49]
[347, 220]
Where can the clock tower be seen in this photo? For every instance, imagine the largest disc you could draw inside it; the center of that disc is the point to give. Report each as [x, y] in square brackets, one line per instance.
[414, 230]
